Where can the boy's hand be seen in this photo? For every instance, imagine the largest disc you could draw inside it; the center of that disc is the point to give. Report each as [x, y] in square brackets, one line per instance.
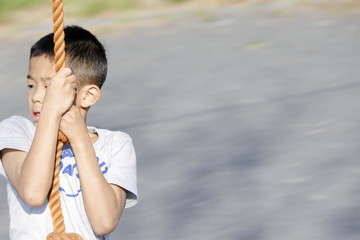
[61, 91]
[72, 124]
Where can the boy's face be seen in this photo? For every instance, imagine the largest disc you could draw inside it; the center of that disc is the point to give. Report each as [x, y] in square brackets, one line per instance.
[41, 70]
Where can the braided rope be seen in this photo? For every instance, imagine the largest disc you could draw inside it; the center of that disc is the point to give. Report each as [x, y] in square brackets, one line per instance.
[59, 36]
[54, 199]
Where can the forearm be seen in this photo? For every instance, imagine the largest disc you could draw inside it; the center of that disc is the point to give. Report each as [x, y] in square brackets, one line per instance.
[36, 172]
[95, 189]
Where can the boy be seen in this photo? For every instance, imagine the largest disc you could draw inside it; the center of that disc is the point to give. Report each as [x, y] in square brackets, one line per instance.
[98, 167]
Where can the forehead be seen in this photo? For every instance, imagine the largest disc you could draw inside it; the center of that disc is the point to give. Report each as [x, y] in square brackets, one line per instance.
[41, 67]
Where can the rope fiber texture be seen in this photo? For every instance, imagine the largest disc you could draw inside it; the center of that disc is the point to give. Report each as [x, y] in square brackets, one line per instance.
[54, 198]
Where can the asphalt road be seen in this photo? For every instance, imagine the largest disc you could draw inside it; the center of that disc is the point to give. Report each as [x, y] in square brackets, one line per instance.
[245, 123]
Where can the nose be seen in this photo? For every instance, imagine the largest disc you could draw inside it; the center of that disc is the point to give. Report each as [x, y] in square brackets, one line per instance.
[38, 94]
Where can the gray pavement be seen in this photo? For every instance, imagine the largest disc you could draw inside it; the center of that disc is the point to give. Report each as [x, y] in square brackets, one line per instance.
[244, 121]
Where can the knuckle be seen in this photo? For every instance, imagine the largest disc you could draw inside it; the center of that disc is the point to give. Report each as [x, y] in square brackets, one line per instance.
[67, 70]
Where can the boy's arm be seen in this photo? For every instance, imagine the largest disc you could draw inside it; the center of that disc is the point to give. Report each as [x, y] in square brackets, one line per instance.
[104, 202]
[31, 173]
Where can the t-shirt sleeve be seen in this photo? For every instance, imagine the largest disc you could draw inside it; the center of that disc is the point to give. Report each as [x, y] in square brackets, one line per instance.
[15, 133]
[122, 171]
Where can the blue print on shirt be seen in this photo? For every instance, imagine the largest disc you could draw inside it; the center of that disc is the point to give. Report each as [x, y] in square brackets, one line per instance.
[69, 170]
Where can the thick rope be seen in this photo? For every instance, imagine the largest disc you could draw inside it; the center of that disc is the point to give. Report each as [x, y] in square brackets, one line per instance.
[54, 199]
[59, 35]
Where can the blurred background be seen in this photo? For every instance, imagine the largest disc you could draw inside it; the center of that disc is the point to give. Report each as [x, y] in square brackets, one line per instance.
[244, 114]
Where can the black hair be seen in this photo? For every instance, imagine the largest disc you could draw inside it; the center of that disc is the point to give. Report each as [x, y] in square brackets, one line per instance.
[85, 55]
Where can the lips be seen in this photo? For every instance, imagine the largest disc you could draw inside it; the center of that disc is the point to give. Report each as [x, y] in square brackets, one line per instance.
[36, 116]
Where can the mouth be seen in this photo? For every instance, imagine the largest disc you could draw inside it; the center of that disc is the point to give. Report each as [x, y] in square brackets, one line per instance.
[36, 116]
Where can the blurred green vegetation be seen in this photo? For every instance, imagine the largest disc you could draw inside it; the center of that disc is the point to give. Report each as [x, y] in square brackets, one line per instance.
[81, 7]
[8, 6]
[92, 7]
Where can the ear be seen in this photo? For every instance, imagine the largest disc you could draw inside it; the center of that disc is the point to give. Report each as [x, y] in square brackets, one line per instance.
[89, 95]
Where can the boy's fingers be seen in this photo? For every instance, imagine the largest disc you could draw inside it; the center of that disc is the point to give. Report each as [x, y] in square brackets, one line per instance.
[65, 71]
[71, 78]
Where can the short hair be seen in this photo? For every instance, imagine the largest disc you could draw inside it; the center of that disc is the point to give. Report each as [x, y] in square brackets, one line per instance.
[85, 55]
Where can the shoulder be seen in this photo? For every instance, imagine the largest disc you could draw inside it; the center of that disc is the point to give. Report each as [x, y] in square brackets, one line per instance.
[16, 132]
[17, 124]
[112, 142]
[117, 137]
[15, 121]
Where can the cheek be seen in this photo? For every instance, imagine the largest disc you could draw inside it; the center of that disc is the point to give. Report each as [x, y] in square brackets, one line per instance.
[29, 95]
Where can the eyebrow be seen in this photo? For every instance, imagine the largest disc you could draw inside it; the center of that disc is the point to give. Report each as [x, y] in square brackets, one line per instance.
[43, 79]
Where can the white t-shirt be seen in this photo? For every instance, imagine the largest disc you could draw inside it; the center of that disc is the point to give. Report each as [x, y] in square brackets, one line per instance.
[117, 161]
